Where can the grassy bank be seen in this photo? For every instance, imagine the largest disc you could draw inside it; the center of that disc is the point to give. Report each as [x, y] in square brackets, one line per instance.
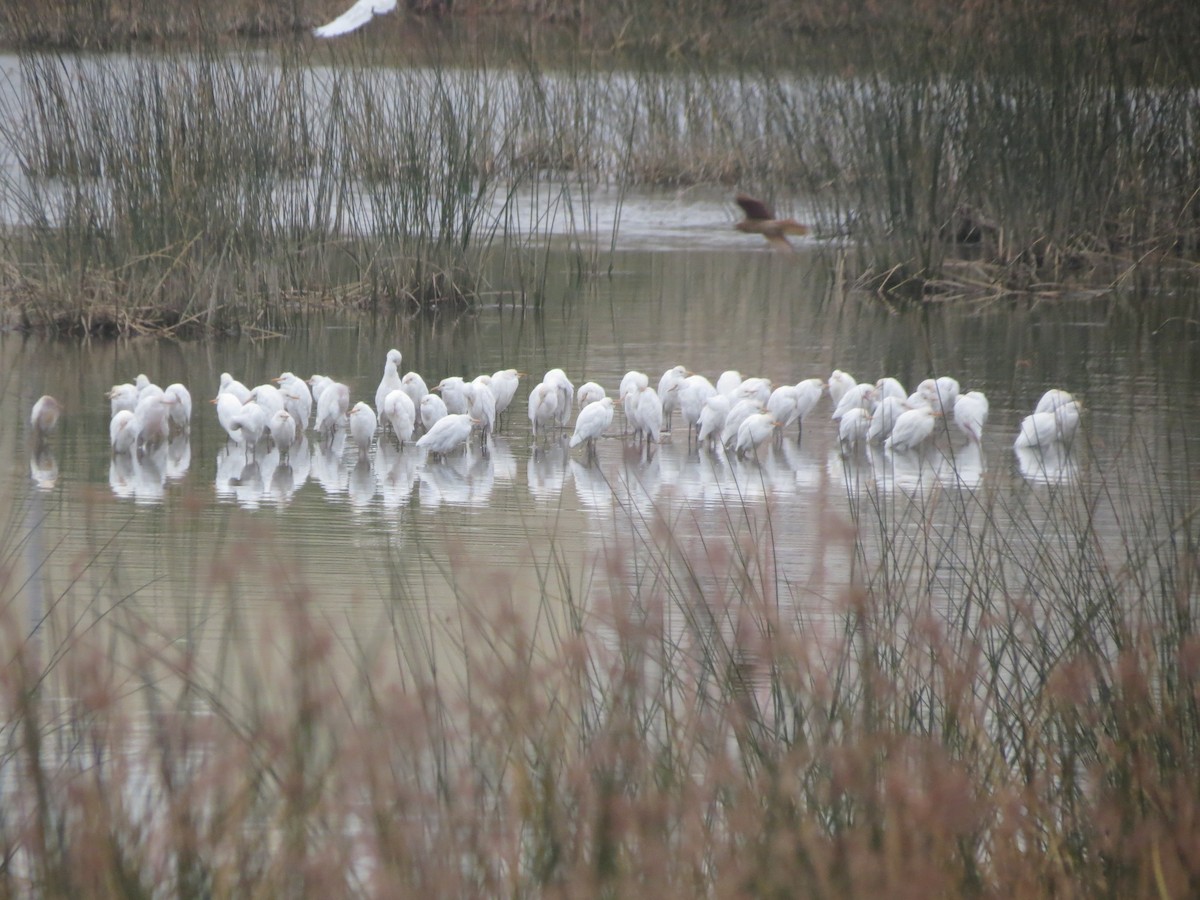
[1000, 698]
[216, 188]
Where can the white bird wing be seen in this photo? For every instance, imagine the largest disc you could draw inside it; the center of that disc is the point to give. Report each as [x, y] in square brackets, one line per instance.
[355, 17]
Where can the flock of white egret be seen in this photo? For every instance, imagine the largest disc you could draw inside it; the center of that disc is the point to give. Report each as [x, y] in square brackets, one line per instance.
[736, 415]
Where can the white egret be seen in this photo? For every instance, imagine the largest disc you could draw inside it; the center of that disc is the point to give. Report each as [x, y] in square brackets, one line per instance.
[152, 419]
[481, 404]
[784, 405]
[853, 427]
[318, 383]
[558, 379]
[753, 432]
[269, 397]
[808, 395]
[122, 432]
[251, 421]
[504, 386]
[388, 383]
[543, 407]
[593, 420]
[44, 417]
[728, 382]
[333, 405]
[589, 392]
[447, 434]
[971, 413]
[145, 386]
[180, 406]
[414, 385]
[883, 419]
[228, 406]
[839, 383]
[858, 396]
[756, 389]
[912, 428]
[668, 392]
[354, 18]
[940, 393]
[694, 393]
[1053, 399]
[649, 415]
[282, 428]
[363, 423]
[712, 419]
[230, 385]
[122, 396]
[433, 409]
[453, 394]
[297, 399]
[402, 414]
[739, 412]
[631, 382]
[1044, 429]
[888, 387]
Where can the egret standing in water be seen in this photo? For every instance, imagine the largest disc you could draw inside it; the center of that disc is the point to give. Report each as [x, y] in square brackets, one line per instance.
[390, 382]
[447, 434]
[363, 423]
[592, 422]
[44, 418]
[402, 415]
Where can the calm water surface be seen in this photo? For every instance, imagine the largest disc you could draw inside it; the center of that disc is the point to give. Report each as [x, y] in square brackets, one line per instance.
[200, 530]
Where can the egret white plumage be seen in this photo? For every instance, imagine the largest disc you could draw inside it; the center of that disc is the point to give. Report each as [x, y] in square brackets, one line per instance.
[1053, 399]
[853, 428]
[432, 410]
[481, 404]
[318, 383]
[414, 385]
[808, 395]
[228, 406]
[354, 18]
[333, 405]
[668, 386]
[756, 389]
[297, 399]
[839, 383]
[152, 418]
[269, 397]
[504, 386]
[388, 383]
[631, 382]
[783, 404]
[122, 433]
[401, 414]
[447, 434]
[888, 387]
[453, 395]
[694, 393]
[728, 382]
[44, 417]
[712, 419]
[589, 392]
[543, 407]
[180, 407]
[912, 428]
[971, 413]
[883, 419]
[940, 393]
[145, 386]
[753, 432]
[739, 412]
[649, 414]
[857, 396]
[558, 379]
[592, 422]
[251, 421]
[230, 385]
[122, 396]
[282, 428]
[363, 423]
[1045, 429]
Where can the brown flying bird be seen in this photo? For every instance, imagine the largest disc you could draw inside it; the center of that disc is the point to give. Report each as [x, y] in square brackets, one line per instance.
[760, 219]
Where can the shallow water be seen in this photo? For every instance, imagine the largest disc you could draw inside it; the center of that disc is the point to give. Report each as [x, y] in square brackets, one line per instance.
[200, 529]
